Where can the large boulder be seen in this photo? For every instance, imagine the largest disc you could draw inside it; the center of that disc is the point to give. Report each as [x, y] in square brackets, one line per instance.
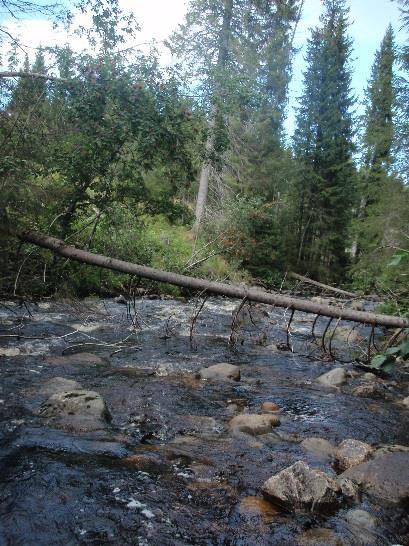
[352, 452]
[77, 409]
[254, 424]
[302, 487]
[333, 378]
[385, 477]
[220, 371]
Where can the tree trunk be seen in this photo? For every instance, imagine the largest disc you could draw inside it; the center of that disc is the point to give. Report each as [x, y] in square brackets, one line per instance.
[223, 54]
[231, 291]
[204, 180]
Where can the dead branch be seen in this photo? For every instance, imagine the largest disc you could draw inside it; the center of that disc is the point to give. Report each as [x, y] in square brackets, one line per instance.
[193, 283]
[321, 285]
[234, 321]
[35, 76]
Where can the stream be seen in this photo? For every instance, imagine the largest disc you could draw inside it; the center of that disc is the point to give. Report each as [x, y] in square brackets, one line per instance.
[160, 464]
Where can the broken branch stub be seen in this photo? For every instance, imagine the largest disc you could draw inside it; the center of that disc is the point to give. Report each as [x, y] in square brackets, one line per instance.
[212, 287]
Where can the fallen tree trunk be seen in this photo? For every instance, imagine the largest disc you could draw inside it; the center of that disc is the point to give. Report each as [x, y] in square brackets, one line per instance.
[321, 285]
[211, 287]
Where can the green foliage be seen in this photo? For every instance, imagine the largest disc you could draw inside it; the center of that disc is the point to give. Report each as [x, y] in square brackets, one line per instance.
[251, 235]
[387, 360]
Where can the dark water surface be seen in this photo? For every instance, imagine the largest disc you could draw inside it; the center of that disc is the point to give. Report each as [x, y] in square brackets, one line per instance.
[166, 470]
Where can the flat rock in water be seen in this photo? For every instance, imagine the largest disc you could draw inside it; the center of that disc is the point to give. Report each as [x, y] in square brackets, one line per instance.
[254, 424]
[302, 487]
[57, 385]
[346, 335]
[220, 371]
[319, 447]
[84, 359]
[60, 442]
[196, 423]
[320, 537]
[256, 507]
[131, 372]
[76, 410]
[385, 477]
[333, 378]
[352, 452]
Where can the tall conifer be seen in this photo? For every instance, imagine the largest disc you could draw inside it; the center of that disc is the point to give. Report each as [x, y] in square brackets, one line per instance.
[323, 145]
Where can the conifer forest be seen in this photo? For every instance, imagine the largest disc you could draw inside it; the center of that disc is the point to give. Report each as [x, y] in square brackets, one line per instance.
[190, 168]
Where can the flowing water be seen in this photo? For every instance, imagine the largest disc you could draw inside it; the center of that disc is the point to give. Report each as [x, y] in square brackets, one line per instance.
[166, 470]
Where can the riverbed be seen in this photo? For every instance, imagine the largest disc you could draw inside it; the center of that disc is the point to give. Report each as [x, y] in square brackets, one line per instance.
[165, 468]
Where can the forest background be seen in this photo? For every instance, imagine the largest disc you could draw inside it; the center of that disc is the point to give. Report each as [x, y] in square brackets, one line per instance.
[189, 167]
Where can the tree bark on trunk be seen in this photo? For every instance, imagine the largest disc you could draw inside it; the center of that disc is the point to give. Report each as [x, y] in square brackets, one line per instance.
[204, 180]
[231, 291]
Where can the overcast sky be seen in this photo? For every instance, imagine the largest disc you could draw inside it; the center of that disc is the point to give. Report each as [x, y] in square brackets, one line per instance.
[159, 17]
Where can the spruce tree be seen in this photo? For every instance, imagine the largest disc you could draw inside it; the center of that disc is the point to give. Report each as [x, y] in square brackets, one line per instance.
[403, 98]
[323, 146]
[380, 103]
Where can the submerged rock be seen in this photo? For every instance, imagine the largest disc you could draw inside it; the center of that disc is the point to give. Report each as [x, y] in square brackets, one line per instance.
[352, 452]
[256, 507]
[369, 377]
[269, 407]
[249, 314]
[56, 441]
[385, 477]
[302, 487]
[221, 371]
[254, 424]
[346, 335]
[85, 359]
[9, 351]
[333, 378]
[370, 390]
[360, 518]
[196, 424]
[319, 447]
[320, 537]
[121, 299]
